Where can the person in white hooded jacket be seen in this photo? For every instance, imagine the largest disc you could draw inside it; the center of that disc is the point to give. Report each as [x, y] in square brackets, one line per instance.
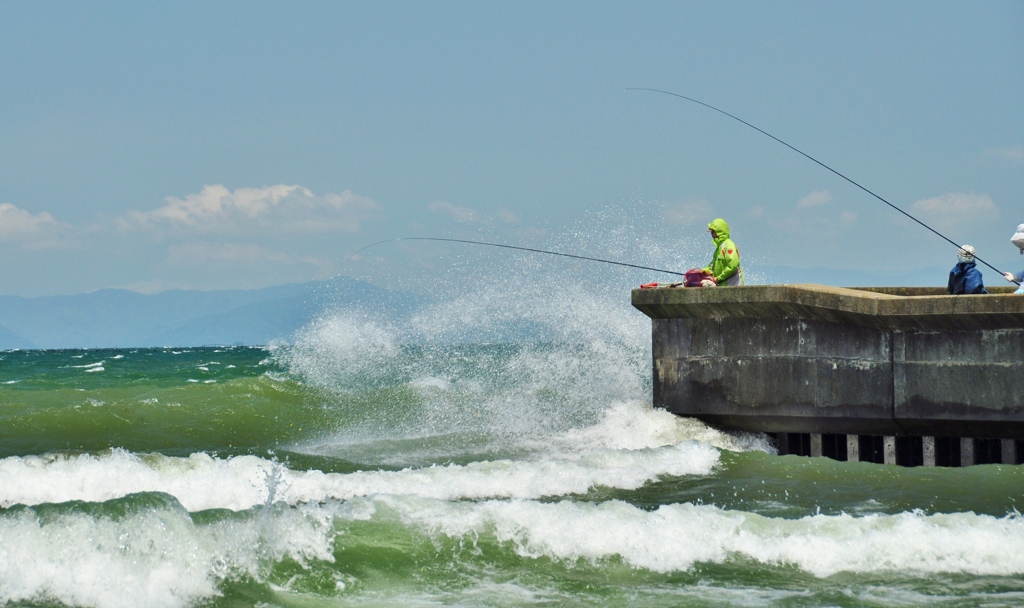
[1018, 240]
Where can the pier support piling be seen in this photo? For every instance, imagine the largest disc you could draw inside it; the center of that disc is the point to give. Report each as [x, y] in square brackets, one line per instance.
[928, 451]
[966, 451]
[853, 448]
[889, 449]
[815, 444]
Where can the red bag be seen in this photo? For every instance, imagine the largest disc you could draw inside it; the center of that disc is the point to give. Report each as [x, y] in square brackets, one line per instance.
[694, 276]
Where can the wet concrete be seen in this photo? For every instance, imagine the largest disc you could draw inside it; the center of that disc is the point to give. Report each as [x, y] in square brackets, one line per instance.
[882, 362]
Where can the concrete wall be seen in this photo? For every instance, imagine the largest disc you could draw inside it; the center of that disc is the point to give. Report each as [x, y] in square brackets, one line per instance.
[816, 359]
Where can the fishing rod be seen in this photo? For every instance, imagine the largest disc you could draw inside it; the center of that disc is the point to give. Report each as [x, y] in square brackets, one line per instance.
[808, 156]
[566, 255]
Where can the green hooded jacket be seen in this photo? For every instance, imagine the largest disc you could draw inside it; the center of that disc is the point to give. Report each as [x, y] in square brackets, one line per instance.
[725, 264]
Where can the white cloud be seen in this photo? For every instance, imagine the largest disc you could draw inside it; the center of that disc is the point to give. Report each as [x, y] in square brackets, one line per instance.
[814, 199]
[39, 230]
[956, 209]
[459, 214]
[1013, 154]
[280, 208]
[697, 211]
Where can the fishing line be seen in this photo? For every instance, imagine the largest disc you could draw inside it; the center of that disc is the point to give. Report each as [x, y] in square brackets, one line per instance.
[808, 156]
[566, 255]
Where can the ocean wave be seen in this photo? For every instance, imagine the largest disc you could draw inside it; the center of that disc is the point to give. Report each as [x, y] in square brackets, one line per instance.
[636, 425]
[675, 537]
[202, 482]
[151, 554]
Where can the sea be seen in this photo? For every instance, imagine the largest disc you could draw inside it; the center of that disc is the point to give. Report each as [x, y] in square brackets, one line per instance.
[493, 450]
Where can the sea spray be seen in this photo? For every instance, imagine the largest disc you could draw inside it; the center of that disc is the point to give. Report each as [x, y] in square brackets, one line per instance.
[575, 363]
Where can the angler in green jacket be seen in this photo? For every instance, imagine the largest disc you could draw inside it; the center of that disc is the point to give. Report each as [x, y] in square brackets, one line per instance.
[725, 264]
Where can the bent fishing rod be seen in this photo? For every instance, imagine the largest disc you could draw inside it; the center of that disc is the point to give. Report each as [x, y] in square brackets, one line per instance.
[566, 255]
[809, 157]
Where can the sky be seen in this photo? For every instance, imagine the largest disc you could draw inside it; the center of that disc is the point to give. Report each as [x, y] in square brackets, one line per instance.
[237, 145]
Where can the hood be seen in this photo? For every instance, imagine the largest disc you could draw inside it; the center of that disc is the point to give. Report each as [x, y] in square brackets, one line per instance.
[721, 230]
[1018, 238]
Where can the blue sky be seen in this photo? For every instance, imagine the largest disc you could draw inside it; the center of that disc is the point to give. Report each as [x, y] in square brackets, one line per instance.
[238, 145]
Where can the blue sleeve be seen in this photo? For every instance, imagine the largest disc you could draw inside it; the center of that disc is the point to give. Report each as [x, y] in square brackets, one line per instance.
[973, 282]
[1019, 276]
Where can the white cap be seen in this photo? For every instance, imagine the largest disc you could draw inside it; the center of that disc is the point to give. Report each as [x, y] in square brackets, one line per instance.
[966, 254]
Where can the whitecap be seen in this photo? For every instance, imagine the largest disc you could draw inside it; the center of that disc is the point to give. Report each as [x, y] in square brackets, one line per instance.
[159, 557]
[675, 537]
[202, 481]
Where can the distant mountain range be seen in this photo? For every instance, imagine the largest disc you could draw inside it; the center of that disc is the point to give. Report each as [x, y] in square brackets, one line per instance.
[112, 318]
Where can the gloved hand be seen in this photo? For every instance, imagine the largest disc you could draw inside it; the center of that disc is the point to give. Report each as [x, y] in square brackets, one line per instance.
[1008, 276]
[708, 283]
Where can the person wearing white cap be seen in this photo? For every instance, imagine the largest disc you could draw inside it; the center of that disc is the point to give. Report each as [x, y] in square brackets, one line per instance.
[965, 278]
[1018, 240]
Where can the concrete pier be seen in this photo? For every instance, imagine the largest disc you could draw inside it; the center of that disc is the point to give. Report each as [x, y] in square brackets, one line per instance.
[897, 375]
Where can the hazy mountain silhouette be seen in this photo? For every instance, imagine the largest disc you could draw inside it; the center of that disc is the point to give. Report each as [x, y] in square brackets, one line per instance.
[120, 318]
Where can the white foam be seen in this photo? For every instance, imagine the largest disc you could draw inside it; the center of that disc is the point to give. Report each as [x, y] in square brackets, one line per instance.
[675, 537]
[636, 425]
[90, 365]
[157, 557]
[202, 481]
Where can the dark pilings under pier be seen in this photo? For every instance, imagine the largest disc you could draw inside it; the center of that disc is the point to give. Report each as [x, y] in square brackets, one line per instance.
[907, 451]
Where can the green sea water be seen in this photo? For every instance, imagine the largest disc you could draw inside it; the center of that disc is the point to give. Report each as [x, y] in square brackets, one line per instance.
[358, 467]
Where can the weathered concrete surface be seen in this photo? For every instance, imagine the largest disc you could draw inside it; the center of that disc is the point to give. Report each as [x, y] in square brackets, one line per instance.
[817, 359]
